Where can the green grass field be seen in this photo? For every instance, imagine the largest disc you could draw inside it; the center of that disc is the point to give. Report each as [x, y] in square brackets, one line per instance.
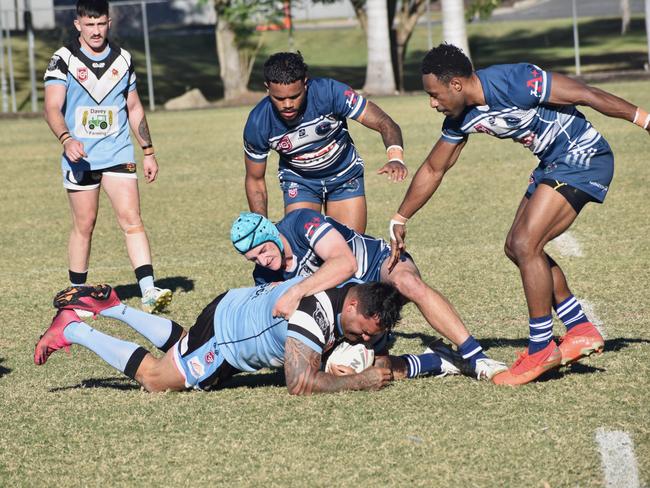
[77, 422]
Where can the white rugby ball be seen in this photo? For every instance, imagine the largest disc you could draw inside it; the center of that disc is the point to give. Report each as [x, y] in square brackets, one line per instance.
[355, 356]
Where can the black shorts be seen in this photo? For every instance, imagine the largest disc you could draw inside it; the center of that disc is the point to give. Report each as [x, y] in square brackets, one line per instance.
[575, 196]
[90, 179]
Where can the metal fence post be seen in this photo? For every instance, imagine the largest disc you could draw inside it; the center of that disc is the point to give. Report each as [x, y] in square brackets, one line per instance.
[3, 78]
[10, 63]
[145, 28]
[576, 40]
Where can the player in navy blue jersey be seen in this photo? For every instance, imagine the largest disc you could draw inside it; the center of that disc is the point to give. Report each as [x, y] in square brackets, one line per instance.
[305, 122]
[536, 108]
[307, 243]
[236, 332]
[90, 102]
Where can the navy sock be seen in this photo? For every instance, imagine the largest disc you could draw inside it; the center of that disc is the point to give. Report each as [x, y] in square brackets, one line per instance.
[540, 333]
[428, 363]
[471, 350]
[570, 312]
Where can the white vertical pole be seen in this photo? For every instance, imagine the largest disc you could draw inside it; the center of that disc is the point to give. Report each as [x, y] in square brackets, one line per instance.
[10, 62]
[3, 77]
[647, 31]
[576, 40]
[429, 30]
[147, 53]
[30, 49]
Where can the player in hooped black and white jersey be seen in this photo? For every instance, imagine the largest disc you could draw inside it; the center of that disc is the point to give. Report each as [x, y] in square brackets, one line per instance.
[90, 102]
[536, 108]
[305, 122]
[236, 332]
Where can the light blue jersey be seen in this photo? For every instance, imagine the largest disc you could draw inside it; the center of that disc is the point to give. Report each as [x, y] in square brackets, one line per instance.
[95, 109]
[250, 338]
[317, 145]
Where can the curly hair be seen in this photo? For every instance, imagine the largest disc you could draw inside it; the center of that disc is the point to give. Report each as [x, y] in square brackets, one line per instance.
[381, 300]
[447, 61]
[285, 68]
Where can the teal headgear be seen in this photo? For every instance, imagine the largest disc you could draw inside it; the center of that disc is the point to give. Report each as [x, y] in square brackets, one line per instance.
[251, 230]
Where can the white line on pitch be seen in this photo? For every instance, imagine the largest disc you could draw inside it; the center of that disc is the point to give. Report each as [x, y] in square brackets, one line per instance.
[568, 245]
[588, 307]
[619, 463]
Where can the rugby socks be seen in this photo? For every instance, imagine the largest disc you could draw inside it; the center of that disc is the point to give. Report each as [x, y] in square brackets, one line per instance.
[570, 312]
[144, 275]
[77, 279]
[161, 332]
[471, 350]
[124, 356]
[540, 333]
[428, 363]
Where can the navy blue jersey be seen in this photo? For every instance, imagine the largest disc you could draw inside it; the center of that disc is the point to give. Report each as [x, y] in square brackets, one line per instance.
[516, 97]
[95, 109]
[318, 143]
[303, 228]
[250, 338]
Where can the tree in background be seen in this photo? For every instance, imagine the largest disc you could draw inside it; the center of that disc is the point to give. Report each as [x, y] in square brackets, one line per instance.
[453, 24]
[380, 79]
[238, 40]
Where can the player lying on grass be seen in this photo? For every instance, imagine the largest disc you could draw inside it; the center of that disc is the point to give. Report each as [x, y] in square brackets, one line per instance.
[536, 108]
[236, 332]
[307, 243]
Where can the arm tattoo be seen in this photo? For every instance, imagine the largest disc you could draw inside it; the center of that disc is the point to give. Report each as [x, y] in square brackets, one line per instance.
[376, 119]
[143, 131]
[303, 375]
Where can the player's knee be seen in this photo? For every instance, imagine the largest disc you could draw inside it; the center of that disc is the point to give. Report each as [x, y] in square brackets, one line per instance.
[84, 225]
[521, 246]
[132, 225]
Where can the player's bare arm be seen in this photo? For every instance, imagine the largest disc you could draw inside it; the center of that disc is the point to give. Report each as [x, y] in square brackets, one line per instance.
[140, 129]
[376, 119]
[426, 181]
[303, 375]
[54, 100]
[339, 265]
[255, 185]
[395, 363]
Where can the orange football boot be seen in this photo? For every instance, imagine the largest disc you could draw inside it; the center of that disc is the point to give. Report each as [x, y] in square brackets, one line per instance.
[581, 341]
[527, 367]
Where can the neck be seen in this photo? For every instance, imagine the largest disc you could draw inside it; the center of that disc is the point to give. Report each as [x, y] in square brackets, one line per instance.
[92, 50]
[475, 95]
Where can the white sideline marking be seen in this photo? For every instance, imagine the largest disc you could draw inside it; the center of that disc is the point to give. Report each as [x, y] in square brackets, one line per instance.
[568, 245]
[619, 463]
[588, 308]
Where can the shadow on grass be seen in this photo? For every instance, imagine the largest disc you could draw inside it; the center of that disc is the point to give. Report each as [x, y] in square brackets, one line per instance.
[116, 383]
[255, 380]
[3, 371]
[174, 283]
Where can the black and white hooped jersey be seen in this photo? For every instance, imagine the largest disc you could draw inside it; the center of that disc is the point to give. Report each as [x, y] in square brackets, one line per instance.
[317, 144]
[95, 109]
[516, 97]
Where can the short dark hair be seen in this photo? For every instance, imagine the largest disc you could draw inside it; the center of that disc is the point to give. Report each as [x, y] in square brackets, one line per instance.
[285, 68]
[381, 300]
[447, 61]
[92, 8]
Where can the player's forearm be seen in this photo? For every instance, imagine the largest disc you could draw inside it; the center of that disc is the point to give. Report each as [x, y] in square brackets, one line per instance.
[55, 121]
[140, 127]
[609, 104]
[395, 363]
[256, 195]
[310, 382]
[424, 184]
[375, 118]
[332, 273]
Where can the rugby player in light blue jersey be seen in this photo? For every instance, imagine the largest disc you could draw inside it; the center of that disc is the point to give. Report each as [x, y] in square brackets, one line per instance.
[236, 332]
[536, 108]
[90, 102]
[307, 243]
[305, 122]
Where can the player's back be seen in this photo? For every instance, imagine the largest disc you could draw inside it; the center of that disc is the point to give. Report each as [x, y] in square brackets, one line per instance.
[247, 334]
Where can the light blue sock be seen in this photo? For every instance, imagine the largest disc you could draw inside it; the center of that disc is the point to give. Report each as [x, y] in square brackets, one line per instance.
[115, 352]
[145, 283]
[156, 329]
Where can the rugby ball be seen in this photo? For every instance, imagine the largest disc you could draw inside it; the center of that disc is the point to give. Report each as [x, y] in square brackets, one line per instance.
[355, 356]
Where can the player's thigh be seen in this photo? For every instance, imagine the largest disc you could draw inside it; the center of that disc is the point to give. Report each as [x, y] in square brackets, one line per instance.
[351, 212]
[546, 215]
[84, 205]
[295, 206]
[405, 276]
[160, 374]
[123, 193]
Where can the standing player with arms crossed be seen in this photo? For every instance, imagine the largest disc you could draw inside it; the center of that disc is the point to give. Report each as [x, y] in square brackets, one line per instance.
[90, 94]
[537, 109]
[304, 120]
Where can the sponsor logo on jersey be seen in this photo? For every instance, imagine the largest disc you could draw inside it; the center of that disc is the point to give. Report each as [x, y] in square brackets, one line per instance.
[98, 65]
[511, 121]
[115, 74]
[302, 133]
[209, 357]
[311, 226]
[323, 128]
[285, 144]
[130, 167]
[483, 129]
[51, 66]
[196, 367]
[535, 83]
[351, 96]
[320, 317]
[293, 190]
[82, 74]
[599, 185]
[531, 179]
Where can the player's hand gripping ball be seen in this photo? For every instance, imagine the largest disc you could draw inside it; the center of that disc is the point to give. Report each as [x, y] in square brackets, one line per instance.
[357, 357]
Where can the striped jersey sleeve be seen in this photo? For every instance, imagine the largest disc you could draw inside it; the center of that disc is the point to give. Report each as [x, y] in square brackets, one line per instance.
[313, 322]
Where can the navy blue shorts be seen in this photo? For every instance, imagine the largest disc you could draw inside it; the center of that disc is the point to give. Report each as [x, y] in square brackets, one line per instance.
[296, 188]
